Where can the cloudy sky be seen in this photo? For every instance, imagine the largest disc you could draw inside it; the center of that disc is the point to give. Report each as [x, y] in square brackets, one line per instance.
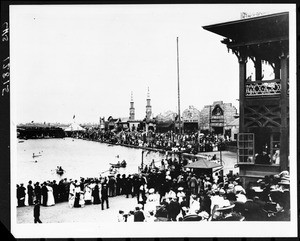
[86, 60]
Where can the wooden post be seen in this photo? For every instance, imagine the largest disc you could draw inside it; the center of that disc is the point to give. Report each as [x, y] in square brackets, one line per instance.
[258, 73]
[242, 62]
[284, 137]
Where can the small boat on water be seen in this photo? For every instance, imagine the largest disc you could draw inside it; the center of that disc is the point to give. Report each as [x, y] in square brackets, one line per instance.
[119, 164]
[35, 155]
[59, 170]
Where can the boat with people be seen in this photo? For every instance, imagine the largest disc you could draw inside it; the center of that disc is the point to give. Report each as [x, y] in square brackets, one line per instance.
[119, 164]
[59, 170]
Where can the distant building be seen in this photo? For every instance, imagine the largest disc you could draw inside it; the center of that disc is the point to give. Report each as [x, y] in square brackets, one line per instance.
[190, 120]
[165, 121]
[102, 123]
[233, 127]
[216, 117]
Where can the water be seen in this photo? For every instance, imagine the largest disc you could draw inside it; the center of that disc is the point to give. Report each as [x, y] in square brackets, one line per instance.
[80, 158]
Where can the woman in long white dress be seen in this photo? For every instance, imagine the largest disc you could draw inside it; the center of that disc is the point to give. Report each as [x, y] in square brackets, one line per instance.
[152, 201]
[88, 193]
[50, 199]
[71, 194]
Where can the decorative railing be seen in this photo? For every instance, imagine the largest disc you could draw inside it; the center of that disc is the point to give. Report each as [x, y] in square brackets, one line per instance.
[263, 88]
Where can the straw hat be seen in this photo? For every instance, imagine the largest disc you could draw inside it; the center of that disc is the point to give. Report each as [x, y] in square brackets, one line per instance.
[222, 191]
[225, 205]
[284, 182]
[257, 189]
[151, 190]
[204, 215]
[239, 188]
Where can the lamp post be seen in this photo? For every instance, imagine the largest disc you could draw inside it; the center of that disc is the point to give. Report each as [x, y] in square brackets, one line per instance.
[142, 164]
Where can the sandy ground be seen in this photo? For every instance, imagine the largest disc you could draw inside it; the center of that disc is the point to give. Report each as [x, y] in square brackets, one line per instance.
[62, 213]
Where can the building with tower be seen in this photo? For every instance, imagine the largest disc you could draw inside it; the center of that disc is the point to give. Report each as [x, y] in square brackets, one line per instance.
[149, 122]
[133, 124]
[148, 106]
[131, 109]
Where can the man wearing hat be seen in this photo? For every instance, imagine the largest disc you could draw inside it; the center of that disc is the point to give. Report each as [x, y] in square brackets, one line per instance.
[44, 191]
[36, 211]
[224, 212]
[104, 196]
[138, 214]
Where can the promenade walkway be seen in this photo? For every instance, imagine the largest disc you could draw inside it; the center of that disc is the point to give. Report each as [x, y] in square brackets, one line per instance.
[62, 213]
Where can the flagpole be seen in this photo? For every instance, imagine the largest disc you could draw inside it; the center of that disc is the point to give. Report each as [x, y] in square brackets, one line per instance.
[179, 118]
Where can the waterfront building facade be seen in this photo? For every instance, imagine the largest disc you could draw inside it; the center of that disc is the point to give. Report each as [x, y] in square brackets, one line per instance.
[263, 139]
[216, 117]
[165, 121]
[190, 120]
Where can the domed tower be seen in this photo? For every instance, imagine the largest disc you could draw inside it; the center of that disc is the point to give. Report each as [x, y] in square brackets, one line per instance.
[148, 106]
[131, 109]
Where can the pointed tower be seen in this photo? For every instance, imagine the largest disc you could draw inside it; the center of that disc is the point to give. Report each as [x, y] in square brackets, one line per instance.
[131, 109]
[148, 106]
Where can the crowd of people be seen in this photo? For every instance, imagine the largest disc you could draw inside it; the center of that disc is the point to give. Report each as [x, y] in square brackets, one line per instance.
[171, 193]
[189, 143]
[188, 197]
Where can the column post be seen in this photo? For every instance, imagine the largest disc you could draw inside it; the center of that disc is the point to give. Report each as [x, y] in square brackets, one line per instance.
[242, 58]
[284, 103]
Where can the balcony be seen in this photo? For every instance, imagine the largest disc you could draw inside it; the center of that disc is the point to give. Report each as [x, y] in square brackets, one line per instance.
[263, 88]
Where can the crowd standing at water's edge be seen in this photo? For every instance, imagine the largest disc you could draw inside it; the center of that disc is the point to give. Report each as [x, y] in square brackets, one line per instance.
[190, 143]
[171, 193]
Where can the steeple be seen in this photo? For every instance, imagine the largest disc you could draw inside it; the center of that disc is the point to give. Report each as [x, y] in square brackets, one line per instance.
[131, 109]
[148, 106]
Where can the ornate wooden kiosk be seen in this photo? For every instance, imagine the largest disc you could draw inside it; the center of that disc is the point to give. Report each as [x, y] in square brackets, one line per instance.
[263, 139]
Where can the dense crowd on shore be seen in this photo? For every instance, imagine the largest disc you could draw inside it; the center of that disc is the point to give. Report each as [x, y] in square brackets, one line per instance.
[171, 193]
[189, 143]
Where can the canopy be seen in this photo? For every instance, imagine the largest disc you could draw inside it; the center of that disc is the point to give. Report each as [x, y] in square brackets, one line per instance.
[203, 164]
[74, 127]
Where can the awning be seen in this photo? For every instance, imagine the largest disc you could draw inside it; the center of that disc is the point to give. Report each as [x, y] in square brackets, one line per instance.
[203, 164]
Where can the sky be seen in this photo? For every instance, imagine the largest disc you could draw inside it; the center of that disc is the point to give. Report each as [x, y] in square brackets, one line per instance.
[85, 60]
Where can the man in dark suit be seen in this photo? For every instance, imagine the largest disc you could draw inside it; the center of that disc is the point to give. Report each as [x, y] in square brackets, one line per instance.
[37, 191]
[104, 196]
[36, 212]
[44, 192]
[30, 193]
[138, 215]
[174, 209]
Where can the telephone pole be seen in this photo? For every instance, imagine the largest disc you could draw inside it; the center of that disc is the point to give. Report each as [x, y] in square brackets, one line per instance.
[179, 118]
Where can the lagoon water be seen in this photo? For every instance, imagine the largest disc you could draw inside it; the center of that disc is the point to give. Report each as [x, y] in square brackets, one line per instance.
[80, 158]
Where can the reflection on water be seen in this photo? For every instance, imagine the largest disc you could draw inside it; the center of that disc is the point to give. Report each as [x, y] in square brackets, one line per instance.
[79, 158]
